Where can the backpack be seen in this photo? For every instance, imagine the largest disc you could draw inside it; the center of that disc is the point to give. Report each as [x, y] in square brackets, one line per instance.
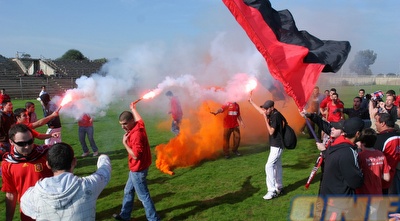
[289, 138]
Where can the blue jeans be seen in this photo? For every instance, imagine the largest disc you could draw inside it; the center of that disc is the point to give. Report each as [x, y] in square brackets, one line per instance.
[175, 126]
[137, 183]
[83, 131]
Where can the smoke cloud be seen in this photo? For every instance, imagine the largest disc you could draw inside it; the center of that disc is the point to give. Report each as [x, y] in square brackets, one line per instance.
[203, 77]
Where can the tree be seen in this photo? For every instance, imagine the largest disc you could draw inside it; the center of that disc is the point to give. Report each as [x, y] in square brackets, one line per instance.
[72, 55]
[24, 55]
[362, 61]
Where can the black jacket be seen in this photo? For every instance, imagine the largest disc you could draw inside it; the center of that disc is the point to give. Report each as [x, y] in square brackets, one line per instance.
[341, 173]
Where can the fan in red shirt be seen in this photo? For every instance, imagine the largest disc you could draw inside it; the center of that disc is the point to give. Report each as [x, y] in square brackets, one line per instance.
[373, 164]
[137, 146]
[3, 97]
[334, 109]
[22, 167]
[231, 126]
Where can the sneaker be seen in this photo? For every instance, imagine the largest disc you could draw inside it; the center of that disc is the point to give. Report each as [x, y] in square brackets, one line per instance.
[118, 217]
[227, 156]
[95, 154]
[237, 153]
[279, 191]
[85, 154]
[270, 195]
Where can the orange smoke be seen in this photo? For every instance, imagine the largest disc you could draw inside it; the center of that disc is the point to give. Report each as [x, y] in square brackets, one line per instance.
[201, 133]
[200, 138]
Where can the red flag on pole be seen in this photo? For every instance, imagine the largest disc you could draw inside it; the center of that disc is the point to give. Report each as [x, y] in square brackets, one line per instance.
[295, 58]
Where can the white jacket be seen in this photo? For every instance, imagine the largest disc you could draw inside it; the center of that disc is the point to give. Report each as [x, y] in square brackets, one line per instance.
[66, 196]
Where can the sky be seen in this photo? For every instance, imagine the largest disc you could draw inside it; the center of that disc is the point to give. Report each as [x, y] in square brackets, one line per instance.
[110, 29]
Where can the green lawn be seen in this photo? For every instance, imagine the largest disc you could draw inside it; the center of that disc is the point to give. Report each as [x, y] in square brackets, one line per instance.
[217, 189]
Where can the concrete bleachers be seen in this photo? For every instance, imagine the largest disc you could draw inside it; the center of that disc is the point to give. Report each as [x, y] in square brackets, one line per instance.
[78, 68]
[20, 86]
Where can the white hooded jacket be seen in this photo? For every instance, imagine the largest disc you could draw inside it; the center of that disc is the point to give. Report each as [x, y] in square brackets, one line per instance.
[66, 196]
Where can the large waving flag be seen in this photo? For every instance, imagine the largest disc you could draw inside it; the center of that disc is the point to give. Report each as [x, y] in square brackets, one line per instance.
[295, 58]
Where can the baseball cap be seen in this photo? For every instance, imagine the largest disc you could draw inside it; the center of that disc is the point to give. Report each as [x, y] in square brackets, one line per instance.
[338, 125]
[352, 125]
[267, 104]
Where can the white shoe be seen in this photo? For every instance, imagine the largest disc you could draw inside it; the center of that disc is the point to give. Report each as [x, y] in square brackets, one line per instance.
[270, 195]
[85, 154]
[95, 154]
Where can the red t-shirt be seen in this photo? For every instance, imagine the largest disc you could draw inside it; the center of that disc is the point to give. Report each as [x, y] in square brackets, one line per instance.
[232, 112]
[176, 109]
[333, 115]
[85, 121]
[18, 177]
[373, 165]
[138, 142]
[325, 102]
[391, 149]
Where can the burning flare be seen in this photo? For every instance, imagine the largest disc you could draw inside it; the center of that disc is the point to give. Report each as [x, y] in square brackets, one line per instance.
[251, 85]
[67, 98]
[149, 95]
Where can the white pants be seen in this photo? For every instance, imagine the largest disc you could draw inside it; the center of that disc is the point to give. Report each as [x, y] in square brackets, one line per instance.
[53, 140]
[273, 169]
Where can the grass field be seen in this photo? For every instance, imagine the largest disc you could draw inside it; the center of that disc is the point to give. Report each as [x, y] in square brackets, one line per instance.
[217, 189]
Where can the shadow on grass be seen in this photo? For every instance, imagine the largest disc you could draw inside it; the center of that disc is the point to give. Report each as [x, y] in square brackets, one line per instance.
[301, 183]
[199, 206]
[137, 204]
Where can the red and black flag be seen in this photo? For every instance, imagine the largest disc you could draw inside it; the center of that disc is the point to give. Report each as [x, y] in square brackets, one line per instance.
[295, 58]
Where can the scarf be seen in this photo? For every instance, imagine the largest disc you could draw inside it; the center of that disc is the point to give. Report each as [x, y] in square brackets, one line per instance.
[37, 152]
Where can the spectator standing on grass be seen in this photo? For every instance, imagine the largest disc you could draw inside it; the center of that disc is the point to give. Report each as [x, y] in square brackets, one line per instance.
[3, 97]
[274, 121]
[85, 128]
[232, 120]
[312, 106]
[364, 100]
[65, 196]
[54, 125]
[324, 103]
[334, 109]
[388, 107]
[373, 164]
[358, 111]
[7, 119]
[335, 130]
[341, 162]
[42, 91]
[137, 146]
[388, 141]
[22, 167]
[30, 107]
[175, 110]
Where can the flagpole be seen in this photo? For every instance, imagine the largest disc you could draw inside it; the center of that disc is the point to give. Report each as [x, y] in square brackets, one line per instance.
[311, 129]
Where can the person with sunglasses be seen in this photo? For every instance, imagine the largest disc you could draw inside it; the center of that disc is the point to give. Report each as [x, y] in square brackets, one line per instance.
[22, 167]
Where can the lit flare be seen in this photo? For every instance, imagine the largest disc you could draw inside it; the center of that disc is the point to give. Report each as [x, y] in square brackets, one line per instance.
[251, 85]
[67, 98]
[148, 95]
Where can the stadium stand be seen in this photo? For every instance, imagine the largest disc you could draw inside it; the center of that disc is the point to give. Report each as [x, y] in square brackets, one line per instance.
[18, 76]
